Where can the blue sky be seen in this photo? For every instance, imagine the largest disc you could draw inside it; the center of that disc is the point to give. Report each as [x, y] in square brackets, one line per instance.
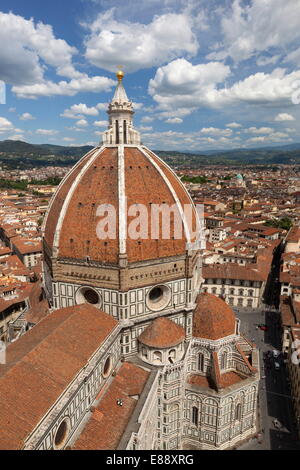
[202, 74]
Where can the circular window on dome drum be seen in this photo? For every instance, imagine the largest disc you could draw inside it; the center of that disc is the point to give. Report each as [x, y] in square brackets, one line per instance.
[61, 434]
[107, 367]
[158, 297]
[87, 295]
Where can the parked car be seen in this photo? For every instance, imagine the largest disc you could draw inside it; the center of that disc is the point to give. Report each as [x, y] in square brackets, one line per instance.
[275, 353]
[263, 327]
[277, 365]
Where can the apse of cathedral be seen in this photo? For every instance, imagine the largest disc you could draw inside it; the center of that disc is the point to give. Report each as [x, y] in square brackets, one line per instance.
[132, 356]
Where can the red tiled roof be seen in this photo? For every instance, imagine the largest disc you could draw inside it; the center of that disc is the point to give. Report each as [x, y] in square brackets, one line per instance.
[108, 422]
[226, 380]
[99, 185]
[213, 318]
[162, 333]
[233, 271]
[42, 363]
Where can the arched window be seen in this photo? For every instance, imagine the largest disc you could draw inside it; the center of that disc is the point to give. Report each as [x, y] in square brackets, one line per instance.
[157, 356]
[224, 360]
[117, 132]
[125, 132]
[238, 412]
[172, 356]
[195, 415]
[201, 362]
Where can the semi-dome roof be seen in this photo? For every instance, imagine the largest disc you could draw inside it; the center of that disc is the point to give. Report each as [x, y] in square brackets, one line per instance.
[213, 318]
[118, 173]
[162, 333]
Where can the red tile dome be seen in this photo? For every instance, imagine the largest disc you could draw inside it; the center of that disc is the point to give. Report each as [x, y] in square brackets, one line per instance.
[162, 333]
[108, 175]
[213, 318]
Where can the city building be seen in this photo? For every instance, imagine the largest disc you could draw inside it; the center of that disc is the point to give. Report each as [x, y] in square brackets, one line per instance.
[132, 355]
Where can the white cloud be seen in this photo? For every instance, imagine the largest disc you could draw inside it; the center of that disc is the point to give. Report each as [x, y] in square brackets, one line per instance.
[46, 131]
[143, 45]
[147, 119]
[261, 130]
[101, 123]
[82, 123]
[294, 56]
[26, 117]
[68, 139]
[102, 106]
[267, 60]
[284, 117]
[273, 137]
[28, 46]
[216, 131]
[95, 84]
[174, 120]
[82, 108]
[79, 110]
[183, 85]
[5, 125]
[234, 125]
[16, 137]
[145, 128]
[253, 27]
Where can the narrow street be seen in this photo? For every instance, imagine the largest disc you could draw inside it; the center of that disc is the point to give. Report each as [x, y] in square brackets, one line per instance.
[275, 401]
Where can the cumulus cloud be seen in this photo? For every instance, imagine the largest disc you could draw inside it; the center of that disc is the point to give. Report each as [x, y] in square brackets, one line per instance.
[26, 117]
[272, 137]
[28, 46]
[183, 85]
[16, 137]
[174, 120]
[250, 28]
[46, 131]
[147, 119]
[5, 125]
[82, 123]
[261, 130]
[284, 117]
[95, 84]
[234, 125]
[101, 123]
[143, 45]
[80, 109]
[216, 131]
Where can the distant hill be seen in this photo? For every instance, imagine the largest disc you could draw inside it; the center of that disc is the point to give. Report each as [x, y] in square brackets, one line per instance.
[14, 154]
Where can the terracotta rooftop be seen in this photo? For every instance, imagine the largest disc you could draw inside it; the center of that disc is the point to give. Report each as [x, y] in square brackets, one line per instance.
[162, 333]
[233, 271]
[42, 363]
[226, 380]
[294, 235]
[213, 318]
[108, 422]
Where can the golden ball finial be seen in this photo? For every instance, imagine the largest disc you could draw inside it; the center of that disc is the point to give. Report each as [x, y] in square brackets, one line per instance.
[120, 75]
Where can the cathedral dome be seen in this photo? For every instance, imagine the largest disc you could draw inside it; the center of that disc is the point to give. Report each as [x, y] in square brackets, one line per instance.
[213, 318]
[125, 177]
[162, 333]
